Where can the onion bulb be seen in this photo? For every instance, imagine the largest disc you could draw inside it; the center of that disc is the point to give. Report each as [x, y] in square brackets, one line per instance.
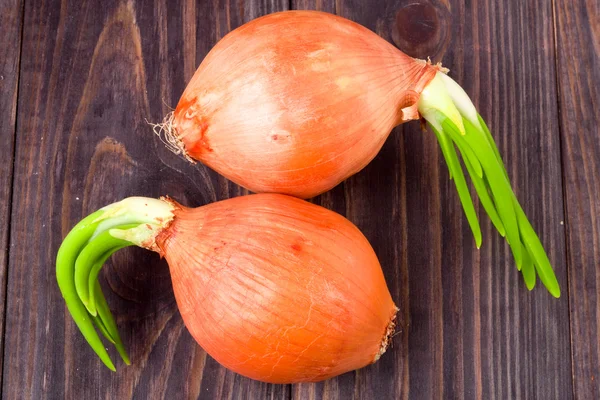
[297, 101]
[271, 286]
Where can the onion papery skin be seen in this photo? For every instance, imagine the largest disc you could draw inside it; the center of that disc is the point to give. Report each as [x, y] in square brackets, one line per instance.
[297, 101]
[278, 289]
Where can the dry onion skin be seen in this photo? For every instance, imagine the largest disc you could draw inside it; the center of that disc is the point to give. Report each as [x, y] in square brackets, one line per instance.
[273, 287]
[297, 101]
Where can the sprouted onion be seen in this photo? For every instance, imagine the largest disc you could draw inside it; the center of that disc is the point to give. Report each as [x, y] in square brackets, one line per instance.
[273, 287]
[295, 102]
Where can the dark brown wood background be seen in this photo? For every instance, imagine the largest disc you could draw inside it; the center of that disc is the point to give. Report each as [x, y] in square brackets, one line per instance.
[78, 80]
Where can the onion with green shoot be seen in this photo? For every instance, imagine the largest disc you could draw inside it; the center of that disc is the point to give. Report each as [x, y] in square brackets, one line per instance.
[273, 287]
[297, 101]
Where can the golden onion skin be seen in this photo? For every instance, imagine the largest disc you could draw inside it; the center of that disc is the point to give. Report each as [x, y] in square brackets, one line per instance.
[278, 289]
[297, 101]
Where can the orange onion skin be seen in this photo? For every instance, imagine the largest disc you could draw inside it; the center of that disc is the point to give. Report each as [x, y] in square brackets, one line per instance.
[278, 289]
[297, 101]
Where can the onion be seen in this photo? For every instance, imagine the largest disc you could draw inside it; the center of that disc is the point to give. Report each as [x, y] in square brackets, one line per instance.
[297, 101]
[273, 287]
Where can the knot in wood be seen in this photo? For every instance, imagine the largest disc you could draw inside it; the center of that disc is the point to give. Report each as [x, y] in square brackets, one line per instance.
[420, 28]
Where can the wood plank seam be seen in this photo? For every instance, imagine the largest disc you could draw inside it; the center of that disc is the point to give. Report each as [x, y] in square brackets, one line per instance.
[11, 173]
[563, 178]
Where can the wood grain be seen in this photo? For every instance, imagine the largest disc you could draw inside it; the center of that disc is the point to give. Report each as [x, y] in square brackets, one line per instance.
[578, 48]
[319, 5]
[471, 328]
[11, 20]
[91, 74]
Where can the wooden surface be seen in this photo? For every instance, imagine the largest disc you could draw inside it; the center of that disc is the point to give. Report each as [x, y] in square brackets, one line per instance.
[79, 80]
[578, 48]
[11, 20]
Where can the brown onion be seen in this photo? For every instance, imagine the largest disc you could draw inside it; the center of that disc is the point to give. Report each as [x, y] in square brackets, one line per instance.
[273, 287]
[295, 102]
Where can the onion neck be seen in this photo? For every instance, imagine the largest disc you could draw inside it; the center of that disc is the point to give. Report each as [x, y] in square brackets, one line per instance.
[457, 125]
[408, 104]
[151, 216]
[132, 221]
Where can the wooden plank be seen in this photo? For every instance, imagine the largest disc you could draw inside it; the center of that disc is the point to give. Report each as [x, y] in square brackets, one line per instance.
[11, 21]
[320, 5]
[91, 73]
[577, 25]
[471, 328]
